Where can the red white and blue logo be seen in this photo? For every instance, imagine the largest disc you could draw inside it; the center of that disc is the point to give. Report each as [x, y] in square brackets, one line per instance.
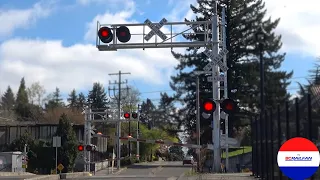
[298, 158]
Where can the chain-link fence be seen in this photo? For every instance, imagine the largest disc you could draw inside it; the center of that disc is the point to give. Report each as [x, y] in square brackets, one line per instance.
[297, 118]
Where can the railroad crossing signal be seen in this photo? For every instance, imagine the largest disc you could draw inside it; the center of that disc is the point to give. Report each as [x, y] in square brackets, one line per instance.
[209, 106]
[105, 34]
[155, 29]
[126, 115]
[134, 115]
[80, 148]
[123, 34]
[90, 147]
[229, 106]
[216, 60]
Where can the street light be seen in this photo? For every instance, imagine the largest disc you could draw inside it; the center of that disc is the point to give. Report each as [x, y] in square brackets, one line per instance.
[261, 37]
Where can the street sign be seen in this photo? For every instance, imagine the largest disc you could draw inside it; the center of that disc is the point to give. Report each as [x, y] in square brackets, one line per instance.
[155, 29]
[56, 141]
[215, 78]
[202, 72]
[216, 60]
[60, 167]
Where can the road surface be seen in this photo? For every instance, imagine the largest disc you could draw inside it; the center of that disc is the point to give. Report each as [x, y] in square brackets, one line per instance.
[22, 177]
[155, 171]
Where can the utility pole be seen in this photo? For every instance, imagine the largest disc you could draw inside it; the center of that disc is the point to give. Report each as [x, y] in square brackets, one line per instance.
[216, 93]
[138, 132]
[119, 114]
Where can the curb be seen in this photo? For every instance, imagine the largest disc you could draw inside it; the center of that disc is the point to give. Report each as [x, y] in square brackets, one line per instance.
[118, 172]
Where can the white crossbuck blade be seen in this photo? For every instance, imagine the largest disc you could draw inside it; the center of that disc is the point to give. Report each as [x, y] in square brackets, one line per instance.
[216, 60]
[155, 29]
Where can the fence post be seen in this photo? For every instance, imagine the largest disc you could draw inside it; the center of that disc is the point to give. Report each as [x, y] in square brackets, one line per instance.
[279, 135]
[253, 145]
[257, 161]
[261, 124]
[271, 144]
[287, 121]
[266, 127]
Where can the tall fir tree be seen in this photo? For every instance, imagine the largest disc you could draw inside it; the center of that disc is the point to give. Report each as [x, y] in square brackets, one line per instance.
[22, 103]
[72, 100]
[148, 113]
[54, 100]
[243, 20]
[68, 151]
[81, 101]
[7, 100]
[97, 97]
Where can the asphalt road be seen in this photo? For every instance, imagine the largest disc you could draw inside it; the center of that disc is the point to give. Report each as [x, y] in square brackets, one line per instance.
[17, 177]
[155, 171]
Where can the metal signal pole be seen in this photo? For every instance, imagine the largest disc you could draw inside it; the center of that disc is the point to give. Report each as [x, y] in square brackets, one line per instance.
[119, 116]
[225, 83]
[216, 93]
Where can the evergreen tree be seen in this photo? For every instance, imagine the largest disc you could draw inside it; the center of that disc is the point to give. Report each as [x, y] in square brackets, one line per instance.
[22, 108]
[7, 100]
[166, 111]
[73, 99]
[148, 113]
[68, 151]
[54, 100]
[81, 101]
[243, 19]
[97, 97]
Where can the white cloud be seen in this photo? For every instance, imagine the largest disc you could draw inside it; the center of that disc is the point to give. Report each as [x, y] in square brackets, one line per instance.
[14, 19]
[299, 24]
[79, 65]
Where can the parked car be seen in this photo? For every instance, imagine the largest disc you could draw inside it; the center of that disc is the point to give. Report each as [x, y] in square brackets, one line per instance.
[188, 160]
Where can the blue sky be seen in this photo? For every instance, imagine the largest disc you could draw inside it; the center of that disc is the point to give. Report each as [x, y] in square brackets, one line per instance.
[53, 41]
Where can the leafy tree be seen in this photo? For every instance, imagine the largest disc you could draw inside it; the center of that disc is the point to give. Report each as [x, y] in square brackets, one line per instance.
[243, 18]
[22, 108]
[72, 99]
[35, 93]
[176, 153]
[166, 110]
[7, 100]
[68, 151]
[54, 100]
[130, 100]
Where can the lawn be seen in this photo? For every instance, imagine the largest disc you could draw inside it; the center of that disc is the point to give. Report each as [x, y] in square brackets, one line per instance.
[244, 149]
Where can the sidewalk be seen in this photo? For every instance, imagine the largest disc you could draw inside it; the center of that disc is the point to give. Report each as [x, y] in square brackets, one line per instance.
[226, 176]
[108, 171]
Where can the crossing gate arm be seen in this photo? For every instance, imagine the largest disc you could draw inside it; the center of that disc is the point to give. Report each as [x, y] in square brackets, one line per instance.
[150, 141]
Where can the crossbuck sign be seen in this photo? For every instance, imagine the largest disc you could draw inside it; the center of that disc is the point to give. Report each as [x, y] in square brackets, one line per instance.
[216, 60]
[155, 29]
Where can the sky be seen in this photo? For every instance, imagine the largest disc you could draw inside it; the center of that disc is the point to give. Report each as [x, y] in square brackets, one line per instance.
[54, 42]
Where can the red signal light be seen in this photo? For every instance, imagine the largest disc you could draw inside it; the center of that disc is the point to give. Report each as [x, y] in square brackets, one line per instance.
[134, 115]
[123, 34]
[209, 106]
[127, 115]
[105, 34]
[89, 148]
[228, 106]
[80, 148]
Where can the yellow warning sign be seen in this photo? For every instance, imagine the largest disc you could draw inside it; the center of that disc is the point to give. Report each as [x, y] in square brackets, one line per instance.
[60, 167]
